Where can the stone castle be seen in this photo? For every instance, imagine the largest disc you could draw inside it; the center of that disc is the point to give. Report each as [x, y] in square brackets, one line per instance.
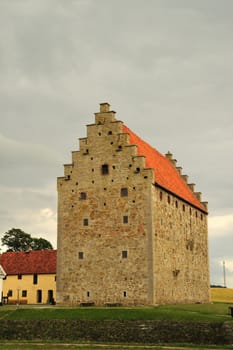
[131, 230]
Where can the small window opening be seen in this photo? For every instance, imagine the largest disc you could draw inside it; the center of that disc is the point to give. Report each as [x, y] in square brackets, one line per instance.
[35, 278]
[124, 294]
[99, 133]
[137, 170]
[125, 219]
[83, 195]
[88, 294]
[113, 167]
[183, 207]
[105, 169]
[93, 181]
[168, 199]
[176, 204]
[10, 293]
[124, 254]
[85, 222]
[24, 293]
[201, 217]
[19, 276]
[80, 255]
[161, 195]
[196, 214]
[124, 192]
[110, 133]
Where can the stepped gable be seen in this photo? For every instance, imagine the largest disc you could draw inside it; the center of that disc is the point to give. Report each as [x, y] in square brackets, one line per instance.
[166, 174]
[35, 261]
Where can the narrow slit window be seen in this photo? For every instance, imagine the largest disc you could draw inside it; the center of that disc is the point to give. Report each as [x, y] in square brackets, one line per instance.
[105, 170]
[80, 255]
[124, 294]
[124, 254]
[85, 222]
[125, 219]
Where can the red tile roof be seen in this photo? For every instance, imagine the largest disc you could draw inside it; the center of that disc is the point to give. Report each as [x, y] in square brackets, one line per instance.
[166, 174]
[36, 261]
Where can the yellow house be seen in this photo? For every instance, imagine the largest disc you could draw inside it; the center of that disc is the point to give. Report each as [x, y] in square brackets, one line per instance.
[30, 277]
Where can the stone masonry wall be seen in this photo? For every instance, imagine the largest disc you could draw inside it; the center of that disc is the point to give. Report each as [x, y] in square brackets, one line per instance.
[182, 274]
[103, 242]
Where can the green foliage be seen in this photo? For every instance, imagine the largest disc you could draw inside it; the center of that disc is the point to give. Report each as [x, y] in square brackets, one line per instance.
[17, 240]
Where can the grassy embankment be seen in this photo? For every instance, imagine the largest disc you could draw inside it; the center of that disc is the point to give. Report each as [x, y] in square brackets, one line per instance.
[216, 312]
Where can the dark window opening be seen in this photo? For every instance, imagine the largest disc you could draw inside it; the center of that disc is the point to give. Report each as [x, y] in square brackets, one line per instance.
[24, 293]
[124, 254]
[113, 167]
[124, 192]
[93, 181]
[35, 278]
[161, 195]
[88, 294]
[80, 255]
[124, 294]
[104, 169]
[110, 133]
[201, 217]
[183, 207]
[137, 170]
[99, 133]
[10, 293]
[196, 214]
[176, 204]
[83, 195]
[39, 296]
[168, 199]
[19, 276]
[85, 222]
[125, 219]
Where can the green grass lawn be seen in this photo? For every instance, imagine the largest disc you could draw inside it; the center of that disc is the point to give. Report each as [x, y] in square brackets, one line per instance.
[196, 312]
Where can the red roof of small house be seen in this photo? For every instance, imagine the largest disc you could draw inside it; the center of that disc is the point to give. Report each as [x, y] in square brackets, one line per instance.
[35, 261]
[165, 174]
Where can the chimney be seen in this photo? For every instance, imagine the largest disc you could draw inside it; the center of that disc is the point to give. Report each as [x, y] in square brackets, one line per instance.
[179, 169]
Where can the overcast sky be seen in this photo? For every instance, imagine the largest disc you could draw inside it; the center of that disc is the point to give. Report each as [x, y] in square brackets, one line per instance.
[166, 68]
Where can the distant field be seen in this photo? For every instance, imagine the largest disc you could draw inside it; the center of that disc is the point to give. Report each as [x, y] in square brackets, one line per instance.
[223, 295]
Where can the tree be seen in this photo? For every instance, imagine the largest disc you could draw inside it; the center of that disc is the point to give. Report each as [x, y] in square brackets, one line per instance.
[17, 240]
